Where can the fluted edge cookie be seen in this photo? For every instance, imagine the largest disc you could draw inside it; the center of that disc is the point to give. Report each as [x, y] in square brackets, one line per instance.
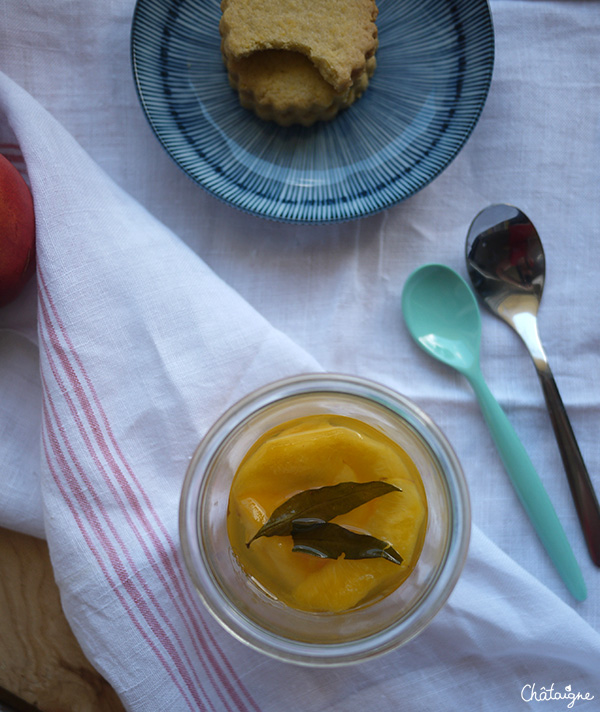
[338, 36]
[285, 87]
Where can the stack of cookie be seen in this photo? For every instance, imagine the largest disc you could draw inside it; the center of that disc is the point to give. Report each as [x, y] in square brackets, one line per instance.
[298, 61]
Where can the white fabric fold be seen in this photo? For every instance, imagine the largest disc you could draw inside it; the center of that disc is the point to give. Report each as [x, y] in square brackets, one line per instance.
[141, 347]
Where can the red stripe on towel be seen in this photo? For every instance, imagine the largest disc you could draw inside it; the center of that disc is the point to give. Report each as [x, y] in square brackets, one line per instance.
[177, 578]
[12, 152]
[79, 505]
[96, 504]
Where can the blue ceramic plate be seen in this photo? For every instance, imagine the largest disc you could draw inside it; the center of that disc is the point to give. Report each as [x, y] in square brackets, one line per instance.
[434, 66]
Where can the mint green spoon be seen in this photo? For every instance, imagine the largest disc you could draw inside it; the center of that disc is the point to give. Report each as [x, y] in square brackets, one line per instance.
[442, 316]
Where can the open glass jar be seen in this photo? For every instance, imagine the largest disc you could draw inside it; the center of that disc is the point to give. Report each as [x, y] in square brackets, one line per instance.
[322, 638]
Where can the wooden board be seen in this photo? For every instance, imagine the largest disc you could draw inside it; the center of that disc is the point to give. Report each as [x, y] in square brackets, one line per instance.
[40, 659]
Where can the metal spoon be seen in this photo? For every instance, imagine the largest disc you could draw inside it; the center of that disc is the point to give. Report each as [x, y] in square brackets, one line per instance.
[505, 261]
[442, 316]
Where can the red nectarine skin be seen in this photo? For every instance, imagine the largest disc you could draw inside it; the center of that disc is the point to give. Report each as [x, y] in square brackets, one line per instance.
[17, 232]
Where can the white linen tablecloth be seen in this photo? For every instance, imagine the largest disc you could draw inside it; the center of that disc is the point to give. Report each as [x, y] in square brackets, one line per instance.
[156, 306]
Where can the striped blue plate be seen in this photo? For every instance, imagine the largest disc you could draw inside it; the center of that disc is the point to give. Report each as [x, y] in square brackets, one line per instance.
[434, 67]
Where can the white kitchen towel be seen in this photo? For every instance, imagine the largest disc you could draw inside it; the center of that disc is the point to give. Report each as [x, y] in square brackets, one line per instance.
[141, 347]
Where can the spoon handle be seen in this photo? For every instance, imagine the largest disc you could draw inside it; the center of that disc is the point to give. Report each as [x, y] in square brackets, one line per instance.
[530, 489]
[582, 490]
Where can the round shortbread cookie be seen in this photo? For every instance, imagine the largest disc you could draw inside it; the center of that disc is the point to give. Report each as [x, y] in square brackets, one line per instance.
[338, 36]
[286, 87]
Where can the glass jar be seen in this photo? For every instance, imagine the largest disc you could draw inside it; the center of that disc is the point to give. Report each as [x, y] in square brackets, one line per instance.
[268, 625]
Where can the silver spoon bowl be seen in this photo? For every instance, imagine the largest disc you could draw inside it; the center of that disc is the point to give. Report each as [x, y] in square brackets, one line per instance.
[506, 264]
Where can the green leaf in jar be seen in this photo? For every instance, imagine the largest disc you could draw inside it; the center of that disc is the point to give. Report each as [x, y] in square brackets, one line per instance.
[322, 503]
[330, 541]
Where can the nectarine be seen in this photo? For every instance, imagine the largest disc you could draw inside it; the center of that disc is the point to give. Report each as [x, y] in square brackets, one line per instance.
[17, 232]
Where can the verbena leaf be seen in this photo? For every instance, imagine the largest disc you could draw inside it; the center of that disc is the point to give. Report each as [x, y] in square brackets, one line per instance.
[322, 503]
[330, 541]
